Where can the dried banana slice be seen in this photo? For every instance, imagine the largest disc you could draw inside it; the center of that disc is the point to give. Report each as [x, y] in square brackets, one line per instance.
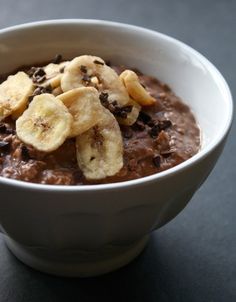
[85, 107]
[53, 74]
[92, 71]
[14, 93]
[132, 116]
[135, 89]
[57, 91]
[45, 124]
[100, 149]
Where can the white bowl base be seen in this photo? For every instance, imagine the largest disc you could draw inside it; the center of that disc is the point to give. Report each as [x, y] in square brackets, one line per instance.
[77, 263]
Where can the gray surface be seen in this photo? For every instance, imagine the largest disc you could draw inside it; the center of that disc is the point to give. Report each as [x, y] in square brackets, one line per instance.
[193, 258]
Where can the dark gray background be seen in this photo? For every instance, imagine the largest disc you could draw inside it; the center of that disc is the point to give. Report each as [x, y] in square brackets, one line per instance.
[193, 258]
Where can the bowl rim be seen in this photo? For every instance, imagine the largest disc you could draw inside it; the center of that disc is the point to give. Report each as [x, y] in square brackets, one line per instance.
[203, 153]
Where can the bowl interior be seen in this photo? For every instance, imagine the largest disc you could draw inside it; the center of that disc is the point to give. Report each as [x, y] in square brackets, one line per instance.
[188, 73]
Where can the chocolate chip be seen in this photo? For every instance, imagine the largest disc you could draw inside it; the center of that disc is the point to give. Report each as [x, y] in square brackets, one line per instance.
[83, 68]
[98, 62]
[144, 117]
[155, 130]
[157, 161]
[3, 128]
[25, 153]
[4, 146]
[57, 59]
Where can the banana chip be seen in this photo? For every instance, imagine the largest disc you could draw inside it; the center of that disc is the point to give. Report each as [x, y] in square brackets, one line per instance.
[100, 149]
[85, 107]
[14, 93]
[45, 124]
[135, 89]
[93, 71]
[53, 74]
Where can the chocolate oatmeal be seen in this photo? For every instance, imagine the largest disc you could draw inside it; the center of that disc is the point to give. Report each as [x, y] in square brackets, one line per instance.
[139, 137]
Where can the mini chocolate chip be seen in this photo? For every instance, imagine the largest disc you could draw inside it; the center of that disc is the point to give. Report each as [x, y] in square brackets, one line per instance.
[164, 124]
[3, 128]
[4, 146]
[155, 130]
[143, 116]
[98, 62]
[57, 59]
[25, 153]
[83, 68]
[157, 161]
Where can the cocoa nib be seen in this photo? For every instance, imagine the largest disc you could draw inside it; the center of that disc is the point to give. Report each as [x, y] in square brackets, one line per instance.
[158, 127]
[144, 117]
[119, 111]
[138, 126]
[40, 90]
[103, 97]
[86, 78]
[127, 132]
[155, 130]
[25, 153]
[4, 146]
[163, 125]
[157, 161]
[38, 75]
[83, 68]
[98, 62]
[3, 128]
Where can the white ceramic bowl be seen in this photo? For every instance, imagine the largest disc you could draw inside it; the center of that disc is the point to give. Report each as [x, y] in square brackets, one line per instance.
[90, 230]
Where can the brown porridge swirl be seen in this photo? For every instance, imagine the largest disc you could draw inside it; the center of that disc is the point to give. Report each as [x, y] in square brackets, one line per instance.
[164, 135]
